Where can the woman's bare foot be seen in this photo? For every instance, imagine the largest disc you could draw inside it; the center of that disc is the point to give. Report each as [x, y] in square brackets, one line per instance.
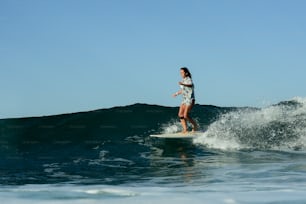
[184, 132]
[195, 128]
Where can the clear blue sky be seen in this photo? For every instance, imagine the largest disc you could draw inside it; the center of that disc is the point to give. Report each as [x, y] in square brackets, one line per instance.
[60, 56]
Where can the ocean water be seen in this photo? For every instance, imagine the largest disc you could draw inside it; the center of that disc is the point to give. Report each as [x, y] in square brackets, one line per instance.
[245, 155]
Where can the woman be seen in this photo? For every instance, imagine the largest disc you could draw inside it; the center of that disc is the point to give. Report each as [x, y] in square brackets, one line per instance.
[187, 91]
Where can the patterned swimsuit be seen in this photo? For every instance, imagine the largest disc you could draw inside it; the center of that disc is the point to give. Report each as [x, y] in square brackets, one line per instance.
[188, 92]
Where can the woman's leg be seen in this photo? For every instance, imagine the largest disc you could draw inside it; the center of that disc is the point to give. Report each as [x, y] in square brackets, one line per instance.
[187, 117]
[182, 118]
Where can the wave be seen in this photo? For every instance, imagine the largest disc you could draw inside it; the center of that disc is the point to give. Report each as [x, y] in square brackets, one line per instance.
[277, 127]
[281, 126]
[112, 146]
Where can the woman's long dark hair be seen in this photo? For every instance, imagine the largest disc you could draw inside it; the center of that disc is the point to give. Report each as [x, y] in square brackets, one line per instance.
[187, 72]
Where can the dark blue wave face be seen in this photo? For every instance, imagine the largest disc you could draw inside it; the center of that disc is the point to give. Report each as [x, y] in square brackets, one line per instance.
[89, 129]
[112, 146]
[95, 146]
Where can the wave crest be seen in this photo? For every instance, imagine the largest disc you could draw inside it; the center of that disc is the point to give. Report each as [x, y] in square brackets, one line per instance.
[277, 127]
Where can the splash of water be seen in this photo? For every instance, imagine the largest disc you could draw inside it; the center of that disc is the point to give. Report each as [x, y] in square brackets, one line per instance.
[175, 126]
[172, 127]
[277, 127]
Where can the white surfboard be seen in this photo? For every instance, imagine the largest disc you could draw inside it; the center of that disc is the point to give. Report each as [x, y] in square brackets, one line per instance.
[189, 135]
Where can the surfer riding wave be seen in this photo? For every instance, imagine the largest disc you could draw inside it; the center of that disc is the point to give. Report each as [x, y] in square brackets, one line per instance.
[187, 92]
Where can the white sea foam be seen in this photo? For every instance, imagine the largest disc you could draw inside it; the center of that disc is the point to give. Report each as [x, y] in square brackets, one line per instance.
[171, 127]
[281, 127]
[174, 126]
[93, 194]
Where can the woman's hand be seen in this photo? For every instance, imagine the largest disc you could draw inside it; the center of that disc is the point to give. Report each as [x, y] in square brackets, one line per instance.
[177, 93]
